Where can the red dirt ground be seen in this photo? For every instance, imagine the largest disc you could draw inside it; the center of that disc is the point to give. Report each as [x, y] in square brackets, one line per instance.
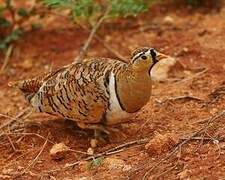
[194, 36]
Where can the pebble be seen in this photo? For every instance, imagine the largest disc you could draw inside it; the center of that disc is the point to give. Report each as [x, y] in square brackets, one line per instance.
[161, 143]
[168, 20]
[58, 151]
[90, 151]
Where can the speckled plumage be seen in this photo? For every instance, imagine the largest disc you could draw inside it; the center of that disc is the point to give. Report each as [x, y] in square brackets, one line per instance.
[96, 91]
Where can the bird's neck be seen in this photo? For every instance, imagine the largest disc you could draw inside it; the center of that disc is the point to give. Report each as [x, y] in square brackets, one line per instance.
[133, 88]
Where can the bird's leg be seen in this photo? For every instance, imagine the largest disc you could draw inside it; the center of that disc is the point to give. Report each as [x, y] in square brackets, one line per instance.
[98, 129]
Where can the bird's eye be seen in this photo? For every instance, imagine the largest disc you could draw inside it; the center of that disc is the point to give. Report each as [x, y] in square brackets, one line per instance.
[144, 57]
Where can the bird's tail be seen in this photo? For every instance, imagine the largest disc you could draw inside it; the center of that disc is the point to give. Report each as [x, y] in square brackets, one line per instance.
[28, 87]
[16, 84]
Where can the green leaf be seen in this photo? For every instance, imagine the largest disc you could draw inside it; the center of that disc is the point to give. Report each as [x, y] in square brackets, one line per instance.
[95, 162]
[23, 12]
[13, 36]
[57, 2]
[2, 8]
[10, 38]
[128, 7]
[4, 22]
[87, 8]
[2, 46]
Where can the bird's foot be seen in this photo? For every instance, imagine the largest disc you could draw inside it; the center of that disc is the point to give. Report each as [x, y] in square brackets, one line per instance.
[100, 132]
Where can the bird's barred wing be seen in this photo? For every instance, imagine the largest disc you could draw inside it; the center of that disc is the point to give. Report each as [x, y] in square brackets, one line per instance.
[74, 94]
[30, 87]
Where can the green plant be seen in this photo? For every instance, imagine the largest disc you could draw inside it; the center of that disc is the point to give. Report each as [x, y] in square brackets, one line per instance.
[90, 10]
[95, 162]
[11, 19]
[8, 39]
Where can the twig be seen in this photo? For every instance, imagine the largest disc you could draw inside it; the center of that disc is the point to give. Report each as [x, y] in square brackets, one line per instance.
[210, 120]
[36, 158]
[180, 98]
[38, 135]
[98, 38]
[216, 142]
[12, 11]
[84, 49]
[111, 151]
[24, 114]
[110, 49]
[202, 138]
[217, 92]
[12, 144]
[15, 160]
[139, 141]
[7, 57]
[167, 171]
[215, 95]
[106, 46]
[193, 76]
[76, 151]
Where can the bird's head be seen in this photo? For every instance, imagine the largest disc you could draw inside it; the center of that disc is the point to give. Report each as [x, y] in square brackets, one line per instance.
[145, 58]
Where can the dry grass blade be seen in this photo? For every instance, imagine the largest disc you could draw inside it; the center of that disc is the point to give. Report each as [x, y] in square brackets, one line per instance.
[30, 134]
[36, 158]
[139, 141]
[210, 120]
[182, 99]
[110, 49]
[202, 139]
[11, 142]
[106, 46]
[204, 70]
[22, 115]
[84, 49]
[111, 151]
[6, 59]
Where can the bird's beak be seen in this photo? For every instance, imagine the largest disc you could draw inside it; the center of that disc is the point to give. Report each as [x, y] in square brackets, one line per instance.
[161, 56]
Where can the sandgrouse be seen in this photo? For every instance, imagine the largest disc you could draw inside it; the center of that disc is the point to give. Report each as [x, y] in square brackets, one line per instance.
[96, 92]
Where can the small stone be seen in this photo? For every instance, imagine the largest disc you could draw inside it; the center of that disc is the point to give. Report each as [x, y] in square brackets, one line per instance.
[185, 49]
[58, 151]
[94, 143]
[27, 64]
[213, 110]
[90, 151]
[161, 143]
[216, 141]
[168, 20]
[108, 38]
[84, 178]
